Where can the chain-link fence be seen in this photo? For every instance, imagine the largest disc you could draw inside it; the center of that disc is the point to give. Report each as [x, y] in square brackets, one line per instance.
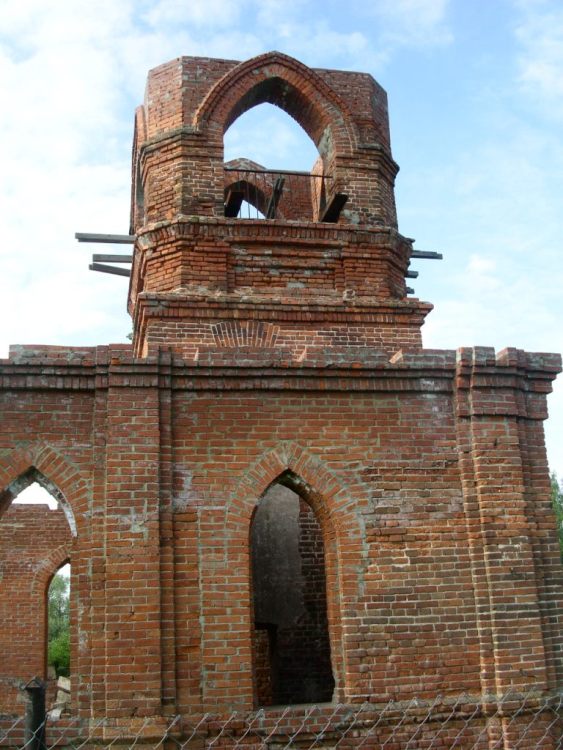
[515, 720]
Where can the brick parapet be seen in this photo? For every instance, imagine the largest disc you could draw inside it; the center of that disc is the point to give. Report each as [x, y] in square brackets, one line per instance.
[512, 382]
[375, 261]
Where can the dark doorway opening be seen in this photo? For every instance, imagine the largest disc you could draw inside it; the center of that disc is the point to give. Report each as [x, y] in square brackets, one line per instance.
[291, 646]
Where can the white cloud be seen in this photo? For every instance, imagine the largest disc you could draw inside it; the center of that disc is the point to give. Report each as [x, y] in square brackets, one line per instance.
[383, 28]
[480, 266]
[540, 34]
[418, 23]
[281, 14]
[312, 45]
[30, 24]
[216, 13]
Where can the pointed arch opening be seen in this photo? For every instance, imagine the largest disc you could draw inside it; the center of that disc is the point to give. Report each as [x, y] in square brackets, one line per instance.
[293, 184]
[15, 490]
[281, 80]
[267, 135]
[291, 643]
[310, 190]
[299, 105]
[57, 637]
[245, 197]
[37, 530]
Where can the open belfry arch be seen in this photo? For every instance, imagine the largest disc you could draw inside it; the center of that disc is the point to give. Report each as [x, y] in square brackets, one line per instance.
[276, 411]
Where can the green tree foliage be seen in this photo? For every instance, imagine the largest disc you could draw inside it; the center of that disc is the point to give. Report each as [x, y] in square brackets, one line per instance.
[58, 638]
[557, 500]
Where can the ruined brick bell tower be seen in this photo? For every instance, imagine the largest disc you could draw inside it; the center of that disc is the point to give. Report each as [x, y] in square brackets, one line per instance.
[276, 495]
[327, 268]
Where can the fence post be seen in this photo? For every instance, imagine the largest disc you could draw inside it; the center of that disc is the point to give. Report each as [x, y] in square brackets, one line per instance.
[35, 715]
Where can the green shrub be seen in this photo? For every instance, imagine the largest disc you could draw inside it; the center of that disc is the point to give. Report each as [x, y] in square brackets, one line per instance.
[59, 654]
[58, 639]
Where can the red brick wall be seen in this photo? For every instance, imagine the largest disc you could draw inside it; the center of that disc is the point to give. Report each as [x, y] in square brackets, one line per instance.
[420, 472]
[163, 474]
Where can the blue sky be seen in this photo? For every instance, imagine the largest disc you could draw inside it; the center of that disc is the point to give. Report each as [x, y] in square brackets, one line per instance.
[476, 105]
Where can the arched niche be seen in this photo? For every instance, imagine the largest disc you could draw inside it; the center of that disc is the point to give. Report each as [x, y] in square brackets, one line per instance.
[283, 195]
[246, 189]
[291, 641]
[225, 573]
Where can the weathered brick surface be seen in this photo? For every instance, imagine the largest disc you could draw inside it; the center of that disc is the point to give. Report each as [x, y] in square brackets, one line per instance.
[427, 572]
[287, 351]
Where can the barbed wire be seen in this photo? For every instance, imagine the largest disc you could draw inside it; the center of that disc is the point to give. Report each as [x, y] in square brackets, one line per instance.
[520, 721]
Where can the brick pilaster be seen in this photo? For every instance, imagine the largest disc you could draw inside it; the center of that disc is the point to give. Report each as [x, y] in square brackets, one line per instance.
[132, 575]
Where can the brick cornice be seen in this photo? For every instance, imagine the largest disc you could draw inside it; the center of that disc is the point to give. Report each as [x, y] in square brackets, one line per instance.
[219, 236]
[335, 307]
[249, 230]
[510, 383]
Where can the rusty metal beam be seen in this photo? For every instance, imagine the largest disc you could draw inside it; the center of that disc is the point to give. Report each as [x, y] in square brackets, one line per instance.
[109, 269]
[116, 239]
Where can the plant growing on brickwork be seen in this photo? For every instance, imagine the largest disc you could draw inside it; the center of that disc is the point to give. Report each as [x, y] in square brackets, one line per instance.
[58, 636]
[557, 500]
